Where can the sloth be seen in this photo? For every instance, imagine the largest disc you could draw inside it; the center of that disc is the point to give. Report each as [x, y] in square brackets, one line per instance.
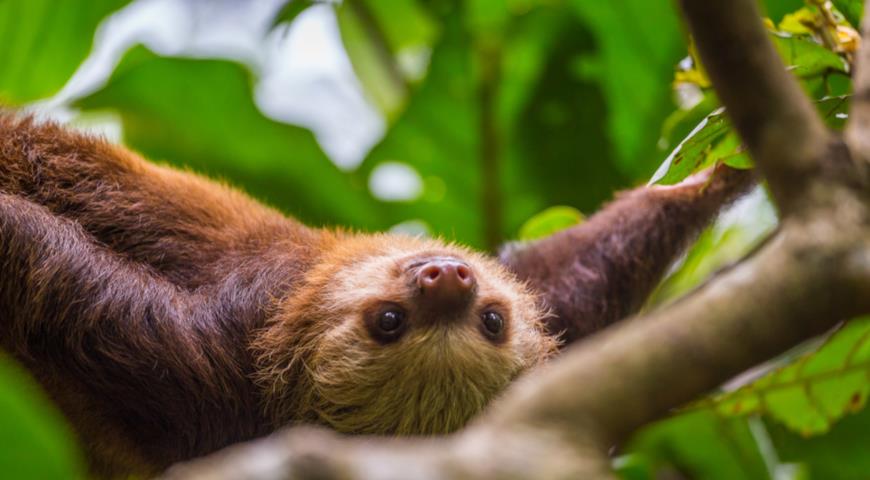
[168, 316]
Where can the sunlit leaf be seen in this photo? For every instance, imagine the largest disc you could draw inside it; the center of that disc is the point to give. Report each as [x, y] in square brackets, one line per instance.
[839, 454]
[549, 222]
[42, 42]
[796, 22]
[691, 154]
[809, 395]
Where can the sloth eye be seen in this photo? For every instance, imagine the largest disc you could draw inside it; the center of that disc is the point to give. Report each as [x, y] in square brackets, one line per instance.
[391, 320]
[386, 323]
[493, 323]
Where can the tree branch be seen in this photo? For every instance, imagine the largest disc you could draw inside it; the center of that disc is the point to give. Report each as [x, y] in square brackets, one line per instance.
[774, 118]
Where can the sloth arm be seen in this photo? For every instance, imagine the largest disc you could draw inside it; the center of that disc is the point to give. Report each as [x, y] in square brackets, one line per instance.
[116, 345]
[186, 227]
[602, 270]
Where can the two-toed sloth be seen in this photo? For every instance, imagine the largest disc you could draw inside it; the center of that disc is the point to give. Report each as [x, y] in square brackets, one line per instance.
[169, 316]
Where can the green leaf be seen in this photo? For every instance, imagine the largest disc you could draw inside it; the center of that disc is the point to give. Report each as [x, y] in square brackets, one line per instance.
[290, 11]
[549, 222]
[691, 154]
[777, 9]
[699, 444]
[853, 10]
[718, 247]
[807, 58]
[42, 42]
[199, 114]
[812, 393]
[834, 111]
[388, 42]
[839, 454]
[35, 440]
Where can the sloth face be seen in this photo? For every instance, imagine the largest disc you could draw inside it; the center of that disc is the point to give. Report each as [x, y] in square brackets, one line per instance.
[414, 337]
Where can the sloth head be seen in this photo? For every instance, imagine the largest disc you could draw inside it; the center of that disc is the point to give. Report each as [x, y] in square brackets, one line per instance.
[397, 335]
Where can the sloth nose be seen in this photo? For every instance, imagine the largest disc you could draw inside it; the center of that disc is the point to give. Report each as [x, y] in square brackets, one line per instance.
[446, 283]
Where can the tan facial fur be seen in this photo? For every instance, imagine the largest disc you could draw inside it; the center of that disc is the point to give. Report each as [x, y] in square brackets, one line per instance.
[318, 361]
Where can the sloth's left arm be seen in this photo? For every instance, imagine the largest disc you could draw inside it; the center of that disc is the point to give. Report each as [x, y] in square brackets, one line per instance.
[603, 270]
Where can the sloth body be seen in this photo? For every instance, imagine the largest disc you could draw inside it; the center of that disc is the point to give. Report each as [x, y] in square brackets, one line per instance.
[169, 316]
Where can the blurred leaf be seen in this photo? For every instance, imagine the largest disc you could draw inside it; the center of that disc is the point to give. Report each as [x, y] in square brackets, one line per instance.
[558, 151]
[199, 114]
[796, 22]
[633, 467]
[719, 246]
[834, 111]
[809, 395]
[549, 222]
[42, 42]
[638, 42]
[290, 11]
[777, 9]
[437, 135]
[840, 454]
[34, 440]
[552, 146]
[853, 10]
[388, 42]
[699, 444]
[806, 57]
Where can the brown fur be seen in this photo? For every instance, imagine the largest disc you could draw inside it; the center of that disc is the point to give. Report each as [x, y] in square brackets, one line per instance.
[169, 316]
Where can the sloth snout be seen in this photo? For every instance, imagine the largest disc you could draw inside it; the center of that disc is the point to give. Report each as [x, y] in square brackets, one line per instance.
[446, 283]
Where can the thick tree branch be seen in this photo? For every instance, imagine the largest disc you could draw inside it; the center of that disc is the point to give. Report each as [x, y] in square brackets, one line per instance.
[774, 118]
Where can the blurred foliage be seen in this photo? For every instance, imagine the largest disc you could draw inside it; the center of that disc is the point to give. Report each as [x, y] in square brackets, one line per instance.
[549, 222]
[34, 442]
[504, 108]
[43, 42]
[200, 114]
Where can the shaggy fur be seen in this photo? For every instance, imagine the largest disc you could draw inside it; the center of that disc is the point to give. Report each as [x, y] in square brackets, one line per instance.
[169, 316]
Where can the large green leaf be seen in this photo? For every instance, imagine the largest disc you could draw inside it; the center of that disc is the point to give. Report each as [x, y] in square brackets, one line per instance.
[840, 454]
[34, 440]
[42, 42]
[809, 395]
[199, 114]
[698, 445]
